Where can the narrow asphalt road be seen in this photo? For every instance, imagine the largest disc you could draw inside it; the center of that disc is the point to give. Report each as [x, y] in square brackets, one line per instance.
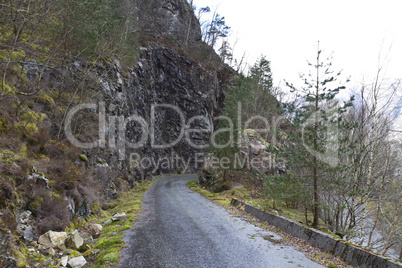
[180, 228]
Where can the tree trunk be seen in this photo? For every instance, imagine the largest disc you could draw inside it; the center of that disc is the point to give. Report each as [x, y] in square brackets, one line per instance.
[379, 199]
[393, 226]
[316, 204]
[306, 213]
[352, 209]
[365, 199]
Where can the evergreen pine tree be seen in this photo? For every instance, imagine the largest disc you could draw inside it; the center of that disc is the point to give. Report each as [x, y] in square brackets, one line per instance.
[316, 122]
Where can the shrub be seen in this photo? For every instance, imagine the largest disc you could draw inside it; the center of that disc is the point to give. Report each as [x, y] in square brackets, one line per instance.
[52, 214]
[6, 190]
[8, 220]
[285, 188]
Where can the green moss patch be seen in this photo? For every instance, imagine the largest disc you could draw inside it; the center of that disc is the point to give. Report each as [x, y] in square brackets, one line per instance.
[111, 240]
[83, 158]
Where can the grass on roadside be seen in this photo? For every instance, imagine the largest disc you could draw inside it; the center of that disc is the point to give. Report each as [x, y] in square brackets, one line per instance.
[111, 241]
[224, 198]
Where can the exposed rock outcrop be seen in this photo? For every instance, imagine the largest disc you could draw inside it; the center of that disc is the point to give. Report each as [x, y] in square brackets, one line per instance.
[165, 93]
[5, 237]
[27, 232]
[172, 20]
[162, 76]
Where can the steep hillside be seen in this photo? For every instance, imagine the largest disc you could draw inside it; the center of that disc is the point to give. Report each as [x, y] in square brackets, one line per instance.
[78, 83]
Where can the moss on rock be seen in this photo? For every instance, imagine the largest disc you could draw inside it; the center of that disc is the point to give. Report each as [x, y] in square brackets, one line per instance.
[83, 158]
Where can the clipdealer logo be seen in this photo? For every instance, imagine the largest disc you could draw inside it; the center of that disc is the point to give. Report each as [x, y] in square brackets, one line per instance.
[112, 134]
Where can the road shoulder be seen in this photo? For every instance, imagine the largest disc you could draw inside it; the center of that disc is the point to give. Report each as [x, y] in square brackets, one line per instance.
[311, 252]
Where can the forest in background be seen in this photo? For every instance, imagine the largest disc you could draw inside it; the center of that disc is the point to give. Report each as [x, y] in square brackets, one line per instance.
[342, 157]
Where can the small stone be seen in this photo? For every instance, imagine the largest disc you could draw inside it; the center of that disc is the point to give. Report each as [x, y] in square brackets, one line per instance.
[64, 261]
[51, 252]
[88, 239]
[72, 254]
[77, 262]
[94, 230]
[62, 247]
[91, 254]
[119, 217]
[84, 247]
[74, 240]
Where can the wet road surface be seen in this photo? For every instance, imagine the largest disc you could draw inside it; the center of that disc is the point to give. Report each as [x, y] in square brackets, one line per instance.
[180, 228]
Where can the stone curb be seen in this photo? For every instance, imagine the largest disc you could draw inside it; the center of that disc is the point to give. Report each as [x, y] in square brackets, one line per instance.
[347, 251]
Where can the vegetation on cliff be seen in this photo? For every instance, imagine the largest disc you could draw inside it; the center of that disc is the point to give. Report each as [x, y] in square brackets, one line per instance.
[55, 55]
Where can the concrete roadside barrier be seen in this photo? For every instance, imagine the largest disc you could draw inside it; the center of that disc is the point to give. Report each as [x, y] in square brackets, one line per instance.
[349, 252]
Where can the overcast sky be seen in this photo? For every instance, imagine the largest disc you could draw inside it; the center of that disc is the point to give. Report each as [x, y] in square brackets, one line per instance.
[287, 32]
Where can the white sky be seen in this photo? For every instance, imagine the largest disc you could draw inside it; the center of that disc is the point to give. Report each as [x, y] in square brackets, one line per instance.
[287, 32]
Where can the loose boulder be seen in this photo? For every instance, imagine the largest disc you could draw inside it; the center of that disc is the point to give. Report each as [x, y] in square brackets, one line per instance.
[94, 230]
[77, 262]
[71, 253]
[119, 217]
[53, 239]
[88, 240]
[74, 240]
[51, 252]
[63, 261]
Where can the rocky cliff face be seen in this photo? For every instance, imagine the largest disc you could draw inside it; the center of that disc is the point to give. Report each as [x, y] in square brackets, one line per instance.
[180, 91]
[171, 20]
[168, 90]
[192, 90]
[176, 83]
